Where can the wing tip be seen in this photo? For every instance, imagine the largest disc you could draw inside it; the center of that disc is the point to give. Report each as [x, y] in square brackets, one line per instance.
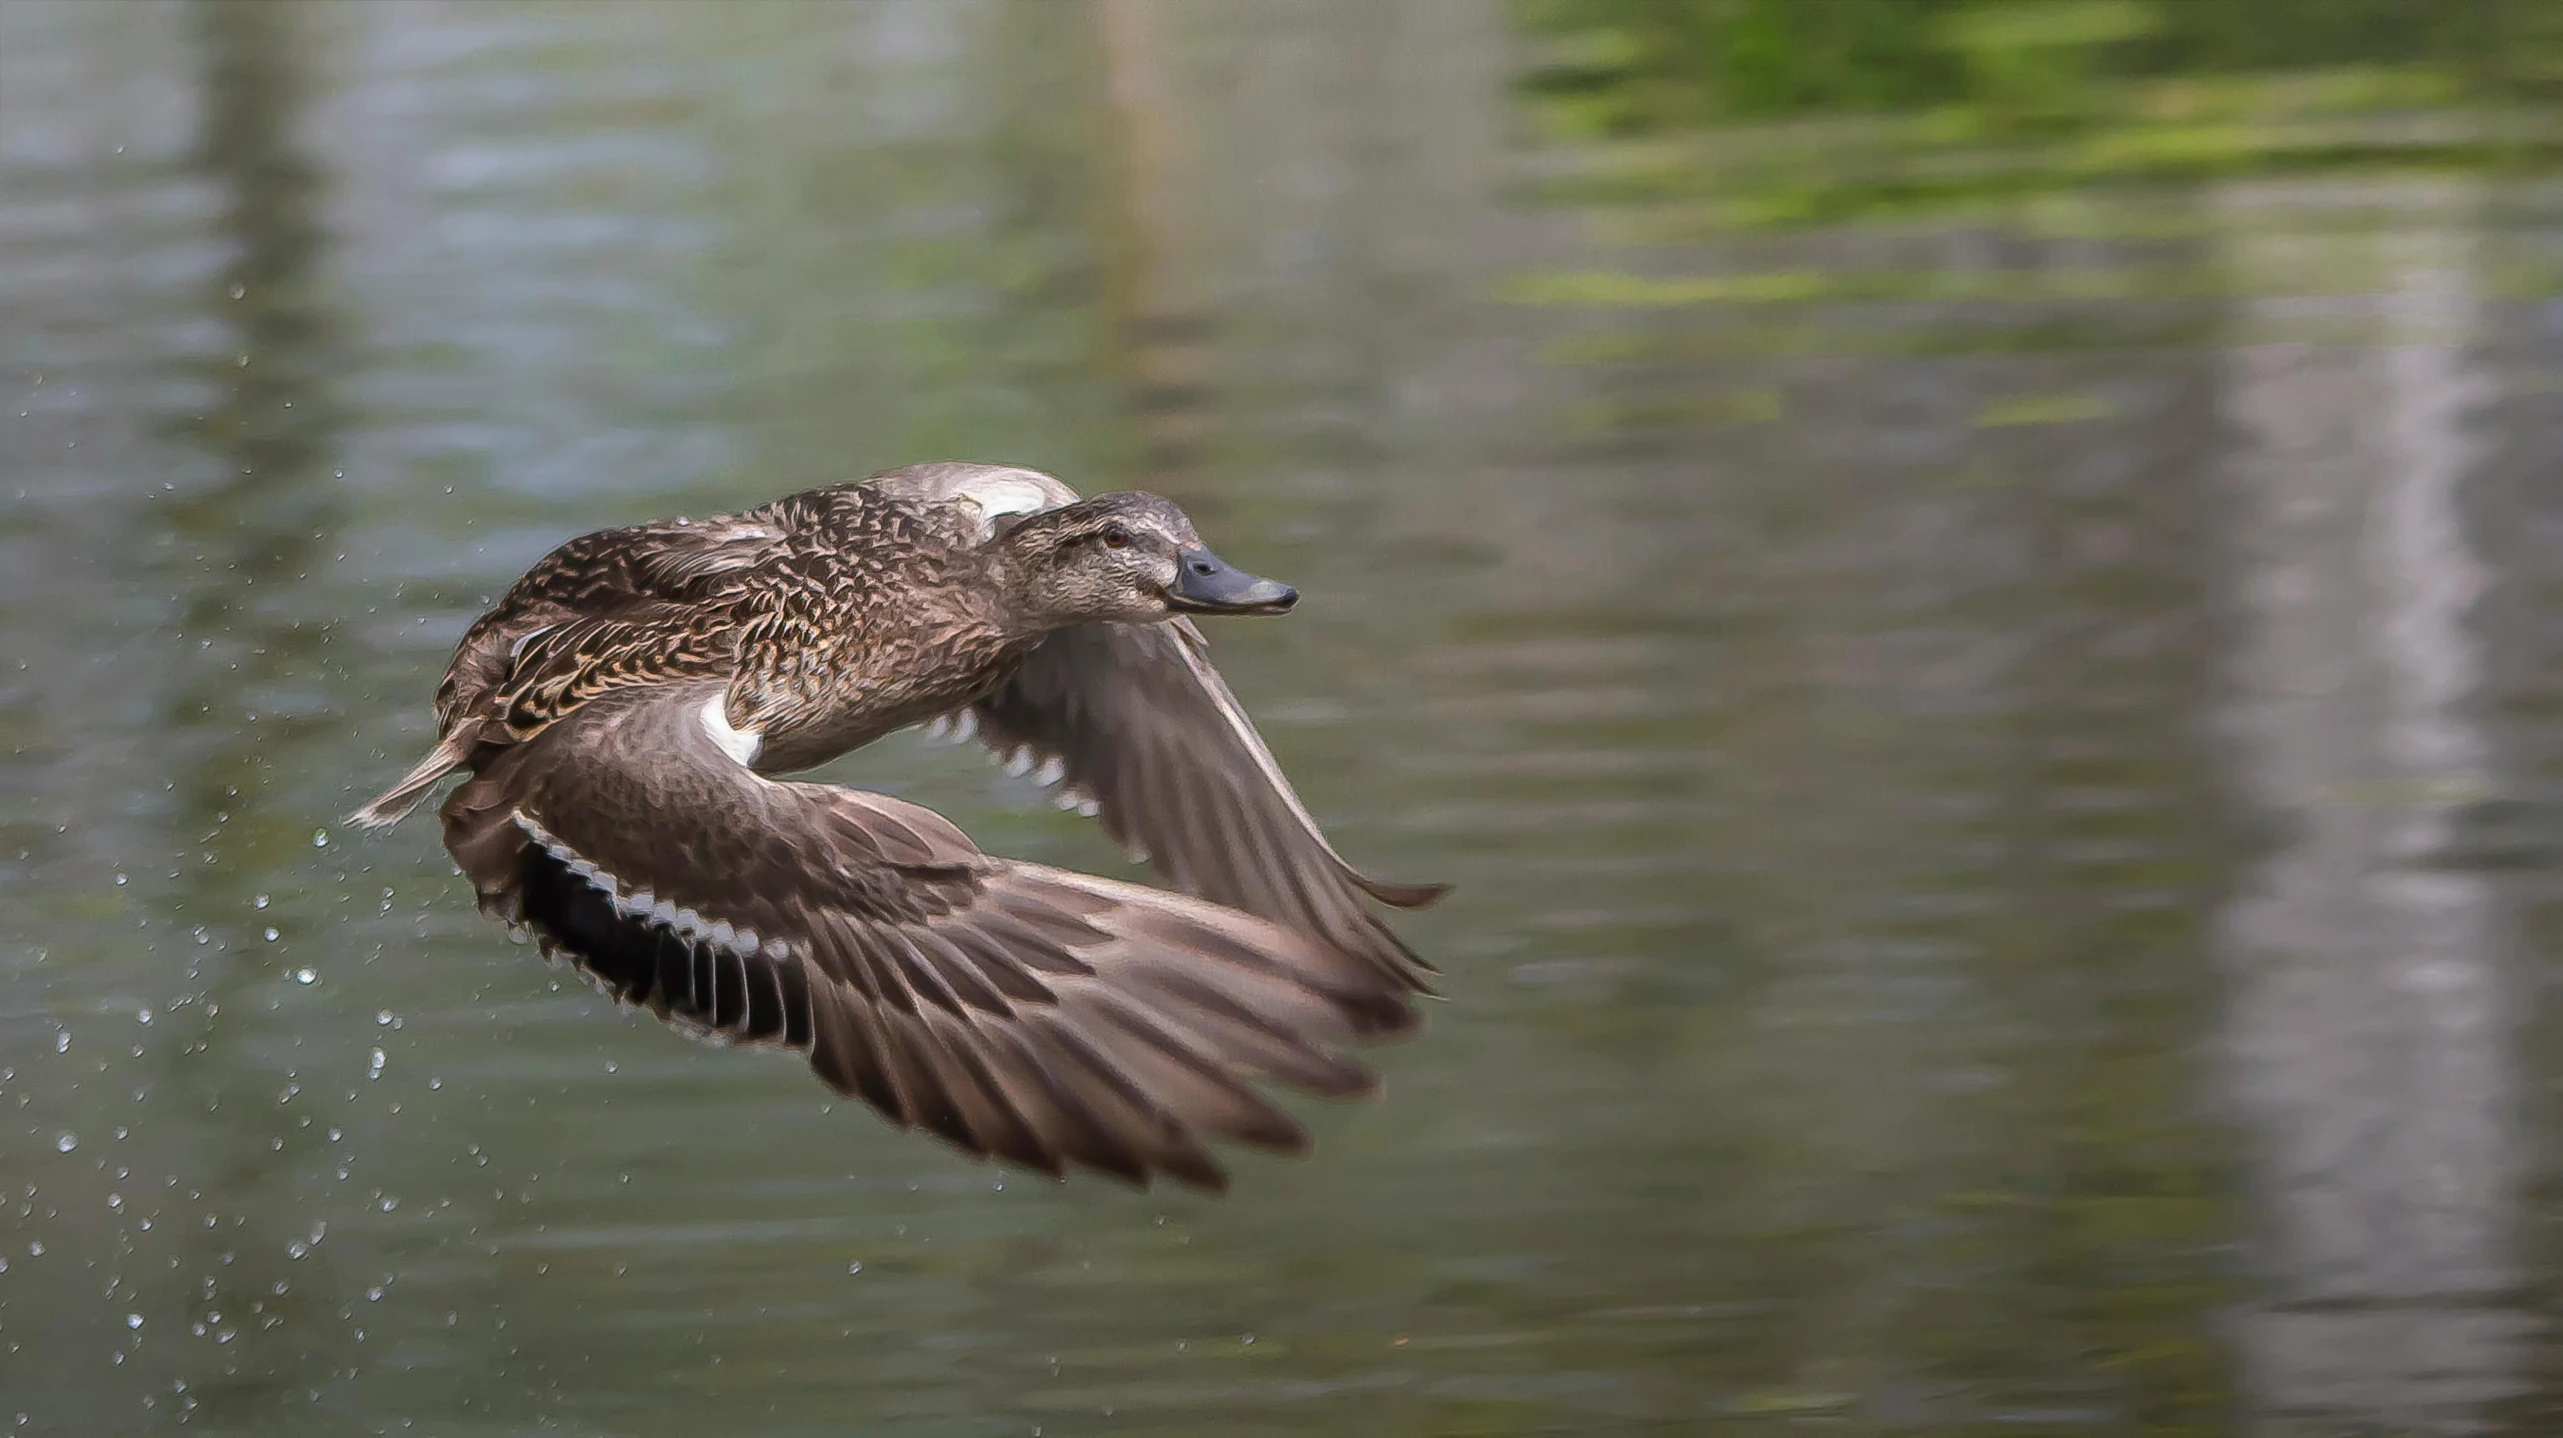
[1402, 896]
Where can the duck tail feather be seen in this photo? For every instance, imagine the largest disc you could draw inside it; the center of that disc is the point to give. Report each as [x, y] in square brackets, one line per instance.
[1401, 896]
[388, 807]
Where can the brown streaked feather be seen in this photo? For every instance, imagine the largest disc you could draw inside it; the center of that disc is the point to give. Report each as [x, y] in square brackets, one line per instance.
[1136, 719]
[704, 566]
[566, 664]
[632, 604]
[653, 603]
[1053, 1019]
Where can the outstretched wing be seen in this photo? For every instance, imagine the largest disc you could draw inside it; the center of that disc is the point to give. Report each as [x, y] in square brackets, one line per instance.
[1019, 1011]
[1139, 726]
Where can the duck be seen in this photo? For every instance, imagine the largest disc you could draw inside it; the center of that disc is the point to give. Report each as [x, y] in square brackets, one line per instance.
[625, 716]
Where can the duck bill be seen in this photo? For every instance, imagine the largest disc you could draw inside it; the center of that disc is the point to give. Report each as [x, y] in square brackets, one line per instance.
[1206, 584]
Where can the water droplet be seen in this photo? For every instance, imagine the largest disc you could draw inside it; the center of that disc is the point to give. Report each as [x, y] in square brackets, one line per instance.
[856, 1267]
[62, 1041]
[383, 1018]
[143, 1017]
[120, 881]
[271, 934]
[260, 901]
[67, 1142]
[133, 1320]
[302, 976]
[320, 838]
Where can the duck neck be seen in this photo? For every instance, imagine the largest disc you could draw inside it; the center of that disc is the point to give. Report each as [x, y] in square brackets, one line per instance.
[1023, 612]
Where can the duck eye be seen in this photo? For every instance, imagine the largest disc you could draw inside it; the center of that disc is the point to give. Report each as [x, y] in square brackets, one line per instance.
[1116, 538]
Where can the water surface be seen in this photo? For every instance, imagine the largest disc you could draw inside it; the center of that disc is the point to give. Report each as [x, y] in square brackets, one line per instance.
[1982, 656]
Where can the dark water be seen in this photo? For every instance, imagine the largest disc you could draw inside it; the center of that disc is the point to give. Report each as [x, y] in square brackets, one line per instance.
[1982, 651]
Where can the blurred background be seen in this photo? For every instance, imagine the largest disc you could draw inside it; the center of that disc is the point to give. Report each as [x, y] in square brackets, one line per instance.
[1971, 593]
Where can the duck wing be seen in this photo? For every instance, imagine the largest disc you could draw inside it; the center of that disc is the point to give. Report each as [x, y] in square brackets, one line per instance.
[548, 670]
[625, 573]
[1139, 727]
[1023, 1012]
[634, 604]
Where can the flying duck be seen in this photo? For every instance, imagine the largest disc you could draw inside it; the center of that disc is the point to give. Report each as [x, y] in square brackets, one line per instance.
[624, 710]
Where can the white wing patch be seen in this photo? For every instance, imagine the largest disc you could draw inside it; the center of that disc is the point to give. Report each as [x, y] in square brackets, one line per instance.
[999, 494]
[990, 491]
[740, 744]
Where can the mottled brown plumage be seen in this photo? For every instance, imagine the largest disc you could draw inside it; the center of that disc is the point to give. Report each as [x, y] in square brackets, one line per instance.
[621, 709]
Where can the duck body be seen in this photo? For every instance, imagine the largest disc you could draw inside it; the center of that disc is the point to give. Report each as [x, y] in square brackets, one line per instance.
[624, 709]
[835, 617]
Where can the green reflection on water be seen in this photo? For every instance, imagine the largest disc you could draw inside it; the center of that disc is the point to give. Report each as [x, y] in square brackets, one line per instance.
[1884, 110]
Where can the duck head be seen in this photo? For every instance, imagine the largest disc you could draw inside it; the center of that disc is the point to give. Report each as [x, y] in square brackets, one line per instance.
[1128, 557]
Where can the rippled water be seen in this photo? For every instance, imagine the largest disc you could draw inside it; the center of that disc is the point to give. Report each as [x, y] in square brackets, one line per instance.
[1999, 765]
